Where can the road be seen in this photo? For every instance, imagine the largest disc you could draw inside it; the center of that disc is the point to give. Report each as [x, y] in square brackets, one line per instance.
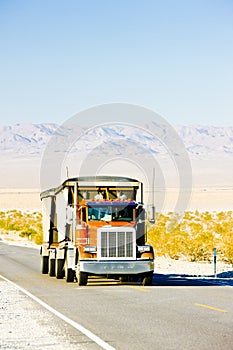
[174, 313]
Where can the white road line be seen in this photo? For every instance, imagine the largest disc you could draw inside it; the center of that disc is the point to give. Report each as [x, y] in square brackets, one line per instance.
[74, 324]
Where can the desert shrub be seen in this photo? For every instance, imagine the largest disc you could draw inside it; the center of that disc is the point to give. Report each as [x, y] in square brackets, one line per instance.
[176, 244]
[200, 246]
[29, 233]
[193, 235]
[226, 247]
[157, 235]
[26, 224]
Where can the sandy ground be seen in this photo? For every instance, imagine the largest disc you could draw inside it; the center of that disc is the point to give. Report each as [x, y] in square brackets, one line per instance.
[211, 180]
[20, 198]
[167, 265]
[210, 199]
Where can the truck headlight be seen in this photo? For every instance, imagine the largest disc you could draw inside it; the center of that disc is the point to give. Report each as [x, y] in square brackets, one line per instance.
[90, 249]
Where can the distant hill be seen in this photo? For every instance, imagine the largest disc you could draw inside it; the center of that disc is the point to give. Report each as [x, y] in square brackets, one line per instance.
[122, 151]
[25, 139]
[30, 140]
[207, 140]
[22, 146]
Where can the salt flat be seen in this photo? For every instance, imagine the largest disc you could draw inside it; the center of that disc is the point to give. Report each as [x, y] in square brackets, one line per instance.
[210, 182]
[203, 199]
[20, 199]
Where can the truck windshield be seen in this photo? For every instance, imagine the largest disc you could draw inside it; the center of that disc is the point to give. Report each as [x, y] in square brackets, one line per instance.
[110, 213]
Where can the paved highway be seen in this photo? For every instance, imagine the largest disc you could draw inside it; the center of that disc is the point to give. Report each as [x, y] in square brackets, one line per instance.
[171, 314]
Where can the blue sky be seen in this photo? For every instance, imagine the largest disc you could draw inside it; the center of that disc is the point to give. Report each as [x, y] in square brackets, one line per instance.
[173, 56]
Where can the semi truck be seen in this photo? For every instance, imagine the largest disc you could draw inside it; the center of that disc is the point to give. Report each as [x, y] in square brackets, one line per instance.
[95, 226]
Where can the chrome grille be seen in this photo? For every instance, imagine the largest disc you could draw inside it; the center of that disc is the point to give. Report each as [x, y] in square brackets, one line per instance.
[116, 243]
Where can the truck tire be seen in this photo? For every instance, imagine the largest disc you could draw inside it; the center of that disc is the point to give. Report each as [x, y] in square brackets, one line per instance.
[147, 279]
[133, 278]
[123, 279]
[82, 278]
[70, 275]
[59, 268]
[44, 264]
[52, 267]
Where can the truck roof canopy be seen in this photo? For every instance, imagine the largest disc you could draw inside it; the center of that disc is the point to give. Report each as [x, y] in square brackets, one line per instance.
[94, 181]
[100, 178]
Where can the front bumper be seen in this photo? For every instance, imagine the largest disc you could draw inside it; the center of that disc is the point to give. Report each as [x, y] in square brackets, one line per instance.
[117, 267]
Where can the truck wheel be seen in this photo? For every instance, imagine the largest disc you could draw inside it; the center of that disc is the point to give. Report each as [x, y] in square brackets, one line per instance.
[147, 280]
[52, 267]
[134, 279]
[82, 278]
[70, 275]
[44, 264]
[123, 279]
[59, 268]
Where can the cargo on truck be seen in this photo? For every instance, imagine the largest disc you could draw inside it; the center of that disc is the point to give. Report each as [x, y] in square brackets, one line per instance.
[95, 226]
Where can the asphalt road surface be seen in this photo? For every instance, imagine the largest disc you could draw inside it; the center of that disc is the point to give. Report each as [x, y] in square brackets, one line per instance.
[174, 313]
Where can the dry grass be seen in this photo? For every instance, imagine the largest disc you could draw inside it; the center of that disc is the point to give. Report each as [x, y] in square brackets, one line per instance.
[193, 235]
[28, 225]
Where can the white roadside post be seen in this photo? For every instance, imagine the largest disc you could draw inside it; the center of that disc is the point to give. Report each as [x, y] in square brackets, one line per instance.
[215, 262]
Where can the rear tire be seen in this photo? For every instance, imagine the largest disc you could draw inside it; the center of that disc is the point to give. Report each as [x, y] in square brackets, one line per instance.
[52, 267]
[134, 278]
[59, 268]
[123, 279]
[44, 264]
[70, 274]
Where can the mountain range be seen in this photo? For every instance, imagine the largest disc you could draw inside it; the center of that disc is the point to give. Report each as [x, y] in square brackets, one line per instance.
[30, 140]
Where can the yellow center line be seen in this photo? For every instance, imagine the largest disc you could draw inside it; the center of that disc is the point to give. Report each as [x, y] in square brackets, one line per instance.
[140, 288]
[211, 307]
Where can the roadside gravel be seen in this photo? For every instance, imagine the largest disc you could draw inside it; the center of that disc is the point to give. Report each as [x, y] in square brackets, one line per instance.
[26, 325]
[166, 265]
